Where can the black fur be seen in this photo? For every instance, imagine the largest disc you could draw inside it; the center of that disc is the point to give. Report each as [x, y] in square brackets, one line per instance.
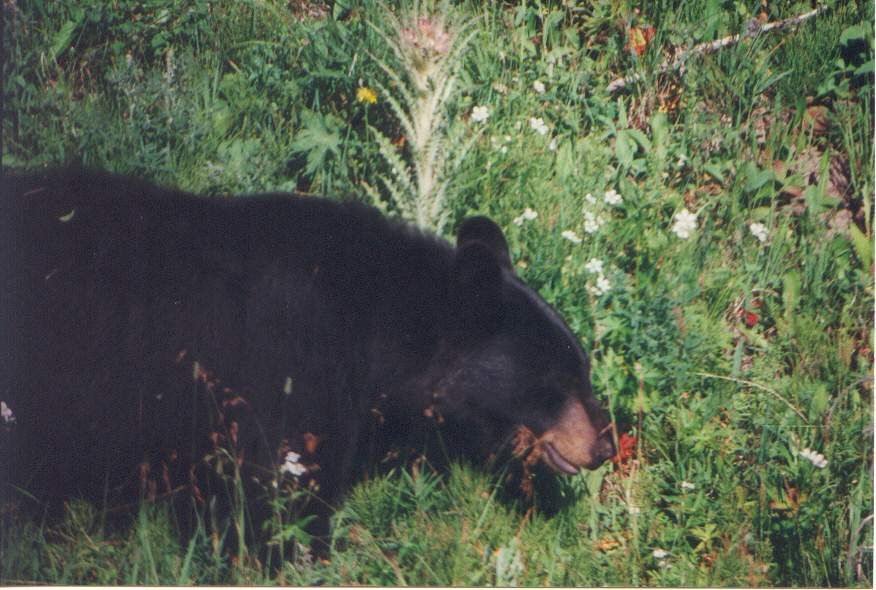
[143, 329]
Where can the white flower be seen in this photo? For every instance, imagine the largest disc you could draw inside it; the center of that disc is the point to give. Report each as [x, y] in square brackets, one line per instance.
[759, 230]
[601, 287]
[592, 222]
[590, 199]
[527, 215]
[594, 266]
[552, 146]
[634, 509]
[538, 124]
[291, 464]
[659, 553]
[685, 224]
[814, 457]
[571, 236]
[686, 485]
[479, 114]
[6, 413]
[613, 198]
[538, 86]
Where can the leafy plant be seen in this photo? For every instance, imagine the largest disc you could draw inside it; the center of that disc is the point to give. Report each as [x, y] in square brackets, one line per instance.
[427, 46]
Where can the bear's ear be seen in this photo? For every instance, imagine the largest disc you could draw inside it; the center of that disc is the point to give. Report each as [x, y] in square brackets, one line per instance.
[476, 289]
[483, 230]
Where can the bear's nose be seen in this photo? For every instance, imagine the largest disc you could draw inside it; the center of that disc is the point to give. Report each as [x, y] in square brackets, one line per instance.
[603, 448]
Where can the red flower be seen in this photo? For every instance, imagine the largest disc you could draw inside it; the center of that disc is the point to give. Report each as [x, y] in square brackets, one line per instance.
[626, 448]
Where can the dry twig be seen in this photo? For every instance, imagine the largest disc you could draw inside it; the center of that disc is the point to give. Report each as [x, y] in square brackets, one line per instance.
[754, 29]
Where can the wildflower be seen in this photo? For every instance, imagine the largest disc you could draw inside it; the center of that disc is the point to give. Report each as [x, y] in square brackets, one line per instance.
[571, 236]
[590, 199]
[659, 553]
[365, 94]
[685, 224]
[6, 413]
[291, 464]
[592, 222]
[686, 485]
[759, 230]
[429, 36]
[613, 198]
[602, 286]
[479, 114]
[538, 124]
[538, 86]
[814, 457]
[527, 215]
[634, 509]
[682, 160]
[594, 266]
[552, 146]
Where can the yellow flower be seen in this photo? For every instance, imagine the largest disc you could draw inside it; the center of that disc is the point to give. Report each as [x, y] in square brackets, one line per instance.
[365, 94]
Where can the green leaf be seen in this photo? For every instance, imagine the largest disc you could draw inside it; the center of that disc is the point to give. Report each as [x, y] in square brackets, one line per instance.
[755, 177]
[715, 172]
[790, 293]
[737, 358]
[853, 33]
[862, 244]
[820, 399]
[62, 38]
[319, 139]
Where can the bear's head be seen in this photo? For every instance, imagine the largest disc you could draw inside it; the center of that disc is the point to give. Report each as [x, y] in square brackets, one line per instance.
[510, 363]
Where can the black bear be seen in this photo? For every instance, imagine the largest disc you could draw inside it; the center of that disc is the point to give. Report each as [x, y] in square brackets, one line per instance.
[146, 333]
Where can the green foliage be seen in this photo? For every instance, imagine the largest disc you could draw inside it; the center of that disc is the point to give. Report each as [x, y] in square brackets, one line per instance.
[733, 355]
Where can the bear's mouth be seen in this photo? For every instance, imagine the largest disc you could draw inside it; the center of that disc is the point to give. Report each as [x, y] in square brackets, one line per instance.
[556, 461]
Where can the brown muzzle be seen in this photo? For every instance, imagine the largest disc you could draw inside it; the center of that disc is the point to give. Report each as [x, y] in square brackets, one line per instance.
[574, 442]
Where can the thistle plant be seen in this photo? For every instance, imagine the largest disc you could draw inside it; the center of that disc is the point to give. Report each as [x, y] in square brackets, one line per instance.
[428, 47]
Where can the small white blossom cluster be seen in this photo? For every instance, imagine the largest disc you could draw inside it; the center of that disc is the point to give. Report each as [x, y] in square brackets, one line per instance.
[602, 286]
[527, 215]
[538, 125]
[660, 555]
[500, 143]
[571, 236]
[592, 222]
[612, 197]
[759, 230]
[291, 465]
[538, 86]
[814, 457]
[685, 224]
[6, 413]
[686, 485]
[479, 114]
[594, 266]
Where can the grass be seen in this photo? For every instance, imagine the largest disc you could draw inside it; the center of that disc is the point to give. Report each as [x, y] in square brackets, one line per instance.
[726, 356]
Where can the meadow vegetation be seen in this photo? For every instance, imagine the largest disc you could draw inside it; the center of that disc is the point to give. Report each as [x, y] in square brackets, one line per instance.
[706, 231]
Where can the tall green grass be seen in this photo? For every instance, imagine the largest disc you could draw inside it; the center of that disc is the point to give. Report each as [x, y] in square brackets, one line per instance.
[725, 356]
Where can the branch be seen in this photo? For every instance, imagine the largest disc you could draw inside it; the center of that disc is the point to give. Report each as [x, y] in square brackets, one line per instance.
[757, 385]
[754, 29]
